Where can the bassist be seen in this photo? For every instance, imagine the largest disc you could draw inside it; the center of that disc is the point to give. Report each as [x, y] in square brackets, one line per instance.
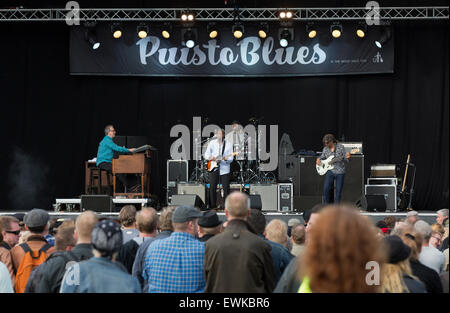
[337, 150]
[221, 150]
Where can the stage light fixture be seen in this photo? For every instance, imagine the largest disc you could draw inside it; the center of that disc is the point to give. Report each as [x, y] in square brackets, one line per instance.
[166, 30]
[91, 37]
[361, 30]
[263, 30]
[285, 35]
[311, 30]
[285, 15]
[385, 37]
[212, 30]
[142, 30]
[336, 30]
[116, 30]
[189, 36]
[187, 17]
[238, 30]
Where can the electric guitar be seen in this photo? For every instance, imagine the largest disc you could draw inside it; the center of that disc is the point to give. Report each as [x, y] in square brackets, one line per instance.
[327, 164]
[212, 164]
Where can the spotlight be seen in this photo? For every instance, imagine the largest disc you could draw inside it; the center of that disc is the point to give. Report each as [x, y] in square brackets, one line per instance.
[385, 36]
[285, 35]
[166, 30]
[336, 30]
[116, 30]
[361, 30]
[263, 30]
[311, 30]
[142, 30]
[91, 37]
[238, 30]
[187, 17]
[212, 30]
[285, 15]
[189, 36]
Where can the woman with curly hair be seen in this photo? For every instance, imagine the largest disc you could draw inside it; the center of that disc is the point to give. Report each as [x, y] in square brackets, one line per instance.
[338, 249]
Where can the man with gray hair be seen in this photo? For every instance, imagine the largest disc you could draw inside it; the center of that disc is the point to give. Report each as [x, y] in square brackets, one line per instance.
[412, 217]
[237, 260]
[442, 217]
[106, 150]
[429, 256]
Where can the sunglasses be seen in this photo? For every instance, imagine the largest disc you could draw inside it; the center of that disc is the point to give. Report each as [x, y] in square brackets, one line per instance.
[15, 232]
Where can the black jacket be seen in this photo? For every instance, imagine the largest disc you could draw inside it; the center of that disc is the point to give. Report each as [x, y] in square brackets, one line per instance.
[428, 276]
[47, 277]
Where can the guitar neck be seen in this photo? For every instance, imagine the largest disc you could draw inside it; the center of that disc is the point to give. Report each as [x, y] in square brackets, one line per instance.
[406, 173]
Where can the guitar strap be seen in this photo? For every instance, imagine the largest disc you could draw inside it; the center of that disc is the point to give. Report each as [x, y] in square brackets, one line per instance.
[223, 147]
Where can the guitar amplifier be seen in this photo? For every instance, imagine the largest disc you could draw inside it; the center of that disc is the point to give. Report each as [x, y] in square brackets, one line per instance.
[192, 189]
[381, 181]
[177, 172]
[388, 191]
[285, 197]
[268, 193]
[383, 170]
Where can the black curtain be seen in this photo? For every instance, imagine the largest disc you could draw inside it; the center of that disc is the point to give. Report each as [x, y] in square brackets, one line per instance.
[52, 122]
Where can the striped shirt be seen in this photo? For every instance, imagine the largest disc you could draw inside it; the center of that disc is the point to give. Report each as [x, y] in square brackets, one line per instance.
[175, 264]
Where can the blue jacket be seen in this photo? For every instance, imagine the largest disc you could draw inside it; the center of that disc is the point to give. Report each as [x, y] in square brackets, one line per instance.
[281, 257]
[99, 275]
[106, 150]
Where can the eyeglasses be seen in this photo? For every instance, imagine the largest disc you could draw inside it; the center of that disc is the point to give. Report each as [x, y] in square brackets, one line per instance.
[437, 238]
[15, 232]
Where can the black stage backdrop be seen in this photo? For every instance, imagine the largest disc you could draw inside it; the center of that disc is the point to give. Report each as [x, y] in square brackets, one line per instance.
[51, 122]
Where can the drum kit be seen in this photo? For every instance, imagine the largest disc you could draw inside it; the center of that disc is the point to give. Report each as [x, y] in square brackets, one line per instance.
[245, 169]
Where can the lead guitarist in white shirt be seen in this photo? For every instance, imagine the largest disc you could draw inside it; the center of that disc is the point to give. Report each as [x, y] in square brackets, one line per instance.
[219, 150]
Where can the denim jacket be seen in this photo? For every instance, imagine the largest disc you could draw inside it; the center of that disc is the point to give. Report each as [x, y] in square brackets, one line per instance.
[99, 275]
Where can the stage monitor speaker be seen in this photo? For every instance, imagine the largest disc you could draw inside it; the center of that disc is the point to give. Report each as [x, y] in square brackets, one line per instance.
[268, 193]
[96, 203]
[389, 192]
[192, 189]
[255, 202]
[189, 200]
[376, 203]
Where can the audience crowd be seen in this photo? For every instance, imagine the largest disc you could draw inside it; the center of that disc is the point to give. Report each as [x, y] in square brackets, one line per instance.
[184, 250]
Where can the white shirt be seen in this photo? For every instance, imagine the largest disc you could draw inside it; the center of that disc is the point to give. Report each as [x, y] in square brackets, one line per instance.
[214, 149]
[237, 139]
[5, 280]
[433, 258]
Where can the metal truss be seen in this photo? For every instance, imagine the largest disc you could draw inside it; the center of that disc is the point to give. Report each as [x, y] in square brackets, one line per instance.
[225, 14]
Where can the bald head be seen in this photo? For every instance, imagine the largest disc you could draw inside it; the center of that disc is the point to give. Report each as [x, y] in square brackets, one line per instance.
[236, 206]
[147, 220]
[84, 225]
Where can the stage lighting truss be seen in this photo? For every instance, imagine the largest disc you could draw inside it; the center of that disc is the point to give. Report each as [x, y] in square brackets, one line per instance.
[224, 14]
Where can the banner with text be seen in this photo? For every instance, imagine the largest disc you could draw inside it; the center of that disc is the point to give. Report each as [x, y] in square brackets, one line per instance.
[228, 56]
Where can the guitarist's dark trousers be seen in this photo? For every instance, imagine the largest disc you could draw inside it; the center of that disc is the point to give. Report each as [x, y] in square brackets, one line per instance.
[328, 187]
[214, 178]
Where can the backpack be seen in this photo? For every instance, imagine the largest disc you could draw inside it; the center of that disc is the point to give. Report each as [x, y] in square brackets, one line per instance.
[31, 260]
[38, 272]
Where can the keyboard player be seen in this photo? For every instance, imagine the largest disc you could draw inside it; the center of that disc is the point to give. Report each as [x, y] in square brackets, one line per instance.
[105, 153]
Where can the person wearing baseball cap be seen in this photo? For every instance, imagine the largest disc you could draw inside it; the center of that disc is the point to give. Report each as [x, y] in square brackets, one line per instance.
[101, 274]
[36, 222]
[175, 264]
[209, 226]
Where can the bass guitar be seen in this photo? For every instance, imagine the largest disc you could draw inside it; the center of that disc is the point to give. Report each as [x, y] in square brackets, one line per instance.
[212, 164]
[327, 164]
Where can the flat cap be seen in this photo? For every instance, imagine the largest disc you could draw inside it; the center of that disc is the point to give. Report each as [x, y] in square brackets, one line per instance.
[184, 214]
[36, 218]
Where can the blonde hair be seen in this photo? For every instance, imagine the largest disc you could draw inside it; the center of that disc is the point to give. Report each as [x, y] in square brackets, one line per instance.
[438, 228]
[392, 277]
[85, 223]
[276, 231]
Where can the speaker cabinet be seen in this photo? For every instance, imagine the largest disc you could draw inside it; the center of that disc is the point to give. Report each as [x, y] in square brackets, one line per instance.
[289, 171]
[285, 197]
[193, 189]
[177, 172]
[96, 203]
[255, 202]
[188, 200]
[388, 191]
[268, 193]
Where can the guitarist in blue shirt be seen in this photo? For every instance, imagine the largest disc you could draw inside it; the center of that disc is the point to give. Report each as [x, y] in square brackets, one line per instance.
[106, 150]
[337, 150]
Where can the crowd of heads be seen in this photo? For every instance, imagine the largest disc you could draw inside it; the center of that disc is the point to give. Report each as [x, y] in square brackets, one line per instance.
[334, 249]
